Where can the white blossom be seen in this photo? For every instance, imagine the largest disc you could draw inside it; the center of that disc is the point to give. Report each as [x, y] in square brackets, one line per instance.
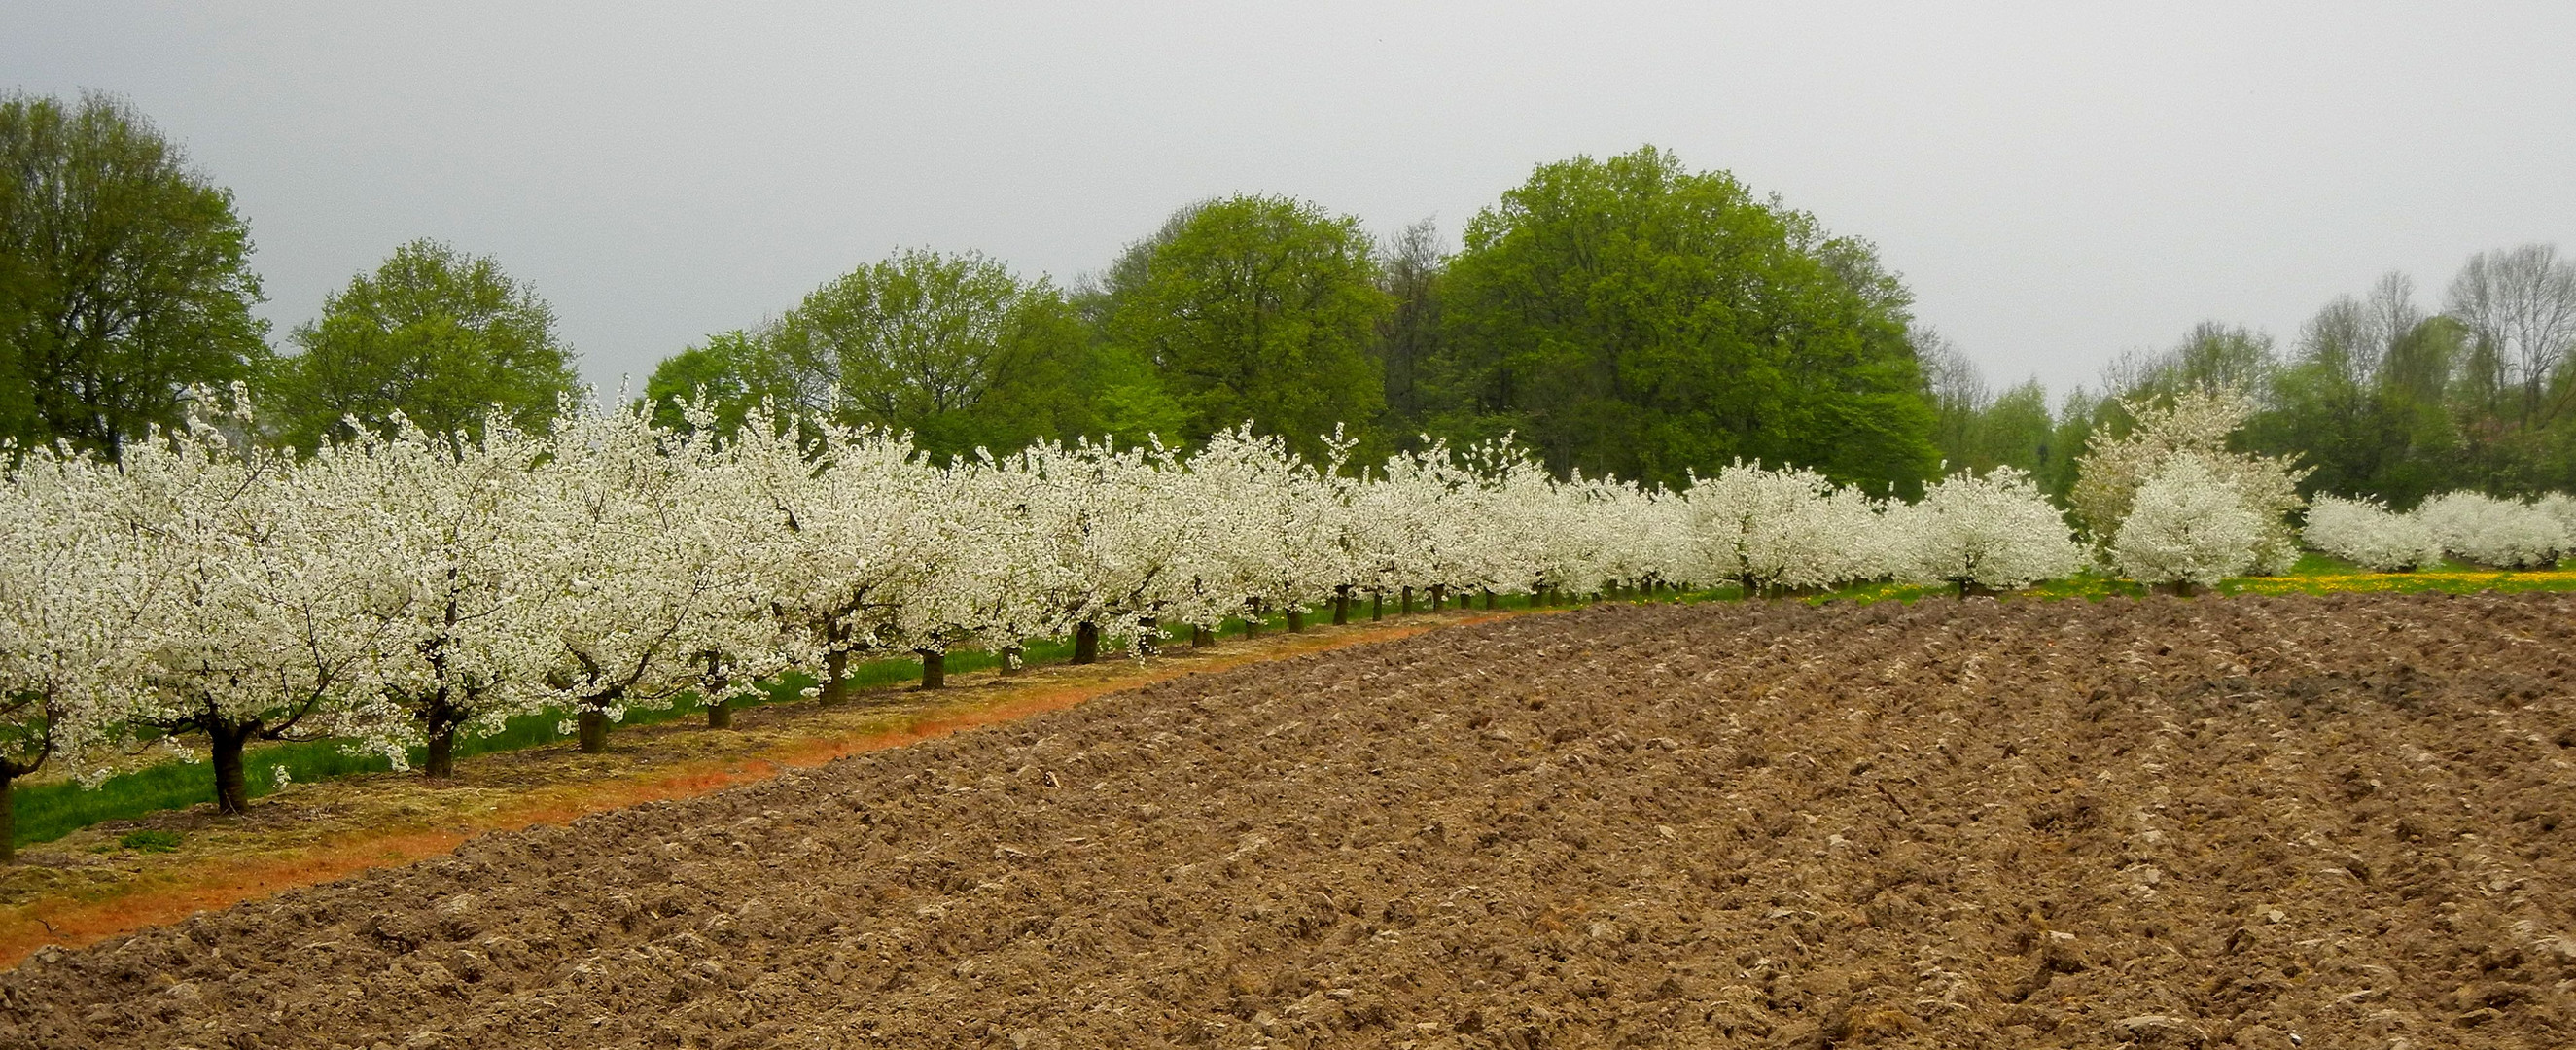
[2366, 533]
[1998, 532]
[2188, 526]
[2511, 534]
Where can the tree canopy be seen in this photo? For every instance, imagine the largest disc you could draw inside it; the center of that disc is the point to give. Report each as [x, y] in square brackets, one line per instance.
[1636, 317]
[124, 275]
[954, 348]
[440, 336]
[1260, 309]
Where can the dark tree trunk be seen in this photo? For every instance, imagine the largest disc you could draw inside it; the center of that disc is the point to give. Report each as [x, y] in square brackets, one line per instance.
[1296, 619]
[1201, 637]
[593, 724]
[836, 685]
[232, 790]
[1439, 596]
[719, 705]
[1408, 602]
[1010, 661]
[1489, 598]
[1377, 606]
[440, 720]
[1341, 605]
[442, 754]
[934, 669]
[1086, 643]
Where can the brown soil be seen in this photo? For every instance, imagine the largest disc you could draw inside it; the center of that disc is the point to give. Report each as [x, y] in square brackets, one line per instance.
[2163, 823]
[85, 888]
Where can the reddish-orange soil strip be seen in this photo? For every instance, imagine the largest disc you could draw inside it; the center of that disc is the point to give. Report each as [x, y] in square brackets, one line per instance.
[73, 923]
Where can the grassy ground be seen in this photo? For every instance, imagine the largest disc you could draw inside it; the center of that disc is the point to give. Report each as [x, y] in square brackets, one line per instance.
[2315, 574]
[51, 807]
[126, 873]
[49, 810]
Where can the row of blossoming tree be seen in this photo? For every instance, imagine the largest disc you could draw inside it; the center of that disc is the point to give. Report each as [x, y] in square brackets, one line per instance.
[404, 591]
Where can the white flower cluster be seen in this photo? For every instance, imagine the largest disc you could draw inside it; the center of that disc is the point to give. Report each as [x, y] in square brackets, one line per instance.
[2365, 532]
[404, 591]
[2472, 527]
[2188, 435]
[2188, 524]
[1993, 533]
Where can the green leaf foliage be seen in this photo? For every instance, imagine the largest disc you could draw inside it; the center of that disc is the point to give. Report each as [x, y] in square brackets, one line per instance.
[955, 349]
[1258, 308]
[1635, 317]
[124, 275]
[441, 337]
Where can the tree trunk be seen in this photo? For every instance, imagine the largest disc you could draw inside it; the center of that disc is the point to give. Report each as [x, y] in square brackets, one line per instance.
[1010, 661]
[1086, 643]
[442, 754]
[1201, 637]
[836, 685]
[1489, 599]
[232, 790]
[1377, 606]
[439, 721]
[1149, 635]
[719, 707]
[1341, 605]
[1296, 619]
[1251, 624]
[594, 730]
[1439, 596]
[1408, 602]
[934, 669]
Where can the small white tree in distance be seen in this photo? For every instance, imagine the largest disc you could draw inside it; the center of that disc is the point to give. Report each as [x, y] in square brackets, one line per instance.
[2196, 424]
[1756, 526]
[1996, 532]
[2187, 528]
[2559, 506]
[2366, 533]
[2508, 534]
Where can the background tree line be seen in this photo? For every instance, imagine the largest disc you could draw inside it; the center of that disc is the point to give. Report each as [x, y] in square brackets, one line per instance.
[2380, 395]
[1628, 315]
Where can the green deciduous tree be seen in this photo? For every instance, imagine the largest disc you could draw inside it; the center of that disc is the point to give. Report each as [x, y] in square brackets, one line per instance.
[1408, 337]
[1635, 317]
[437, 335]
[2363, 397]
[953, 348]
[124, 275]
[1257, 308]
[732, 371]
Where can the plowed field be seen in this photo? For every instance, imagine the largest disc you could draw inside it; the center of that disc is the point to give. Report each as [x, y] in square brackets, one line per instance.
[2167, 823]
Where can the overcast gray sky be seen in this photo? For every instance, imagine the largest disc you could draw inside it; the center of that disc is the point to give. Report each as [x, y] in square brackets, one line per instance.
[2056, 182]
